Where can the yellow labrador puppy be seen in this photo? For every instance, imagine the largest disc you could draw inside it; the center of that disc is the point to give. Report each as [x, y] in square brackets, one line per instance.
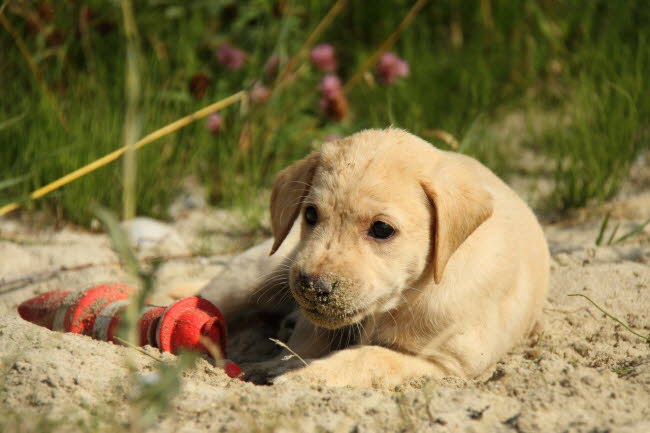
[423, 257]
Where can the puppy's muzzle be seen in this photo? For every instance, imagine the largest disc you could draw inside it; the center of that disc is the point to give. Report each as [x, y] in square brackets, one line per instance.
[315, 288]
[327, 300]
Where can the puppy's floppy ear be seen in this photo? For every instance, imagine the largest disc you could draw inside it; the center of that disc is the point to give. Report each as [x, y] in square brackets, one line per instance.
[290, 188]
[460, 204]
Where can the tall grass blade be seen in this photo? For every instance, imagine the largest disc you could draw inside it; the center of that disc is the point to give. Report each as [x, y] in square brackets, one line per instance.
[8, 183]
[132, 121]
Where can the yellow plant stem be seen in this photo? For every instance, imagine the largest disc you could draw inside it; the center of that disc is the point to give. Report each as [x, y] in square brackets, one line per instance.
[106, 159]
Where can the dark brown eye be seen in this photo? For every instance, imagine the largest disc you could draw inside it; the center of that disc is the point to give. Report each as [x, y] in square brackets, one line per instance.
[381, 230]
[311, 215]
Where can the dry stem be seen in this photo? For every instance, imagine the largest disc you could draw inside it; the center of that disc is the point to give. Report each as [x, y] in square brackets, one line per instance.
[281, 344]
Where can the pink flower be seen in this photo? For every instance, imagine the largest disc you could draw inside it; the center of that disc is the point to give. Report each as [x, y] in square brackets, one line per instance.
[259, 92]
[333, 101]
[214, 123]
[330, 86]
[390, 66]
[323, 56]
[230, 57]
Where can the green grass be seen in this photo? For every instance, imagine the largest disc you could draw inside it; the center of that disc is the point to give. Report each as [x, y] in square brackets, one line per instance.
[585, 61]
[601, 126]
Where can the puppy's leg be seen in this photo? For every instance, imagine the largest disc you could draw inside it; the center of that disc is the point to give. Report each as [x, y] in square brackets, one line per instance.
[306, 340]
[309, 341]
[364, 366]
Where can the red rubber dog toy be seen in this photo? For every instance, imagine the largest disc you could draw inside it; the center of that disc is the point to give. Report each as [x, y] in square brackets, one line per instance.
[96, 312]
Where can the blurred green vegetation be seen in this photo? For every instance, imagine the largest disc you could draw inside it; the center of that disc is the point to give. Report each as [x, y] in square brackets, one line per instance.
[586, 62]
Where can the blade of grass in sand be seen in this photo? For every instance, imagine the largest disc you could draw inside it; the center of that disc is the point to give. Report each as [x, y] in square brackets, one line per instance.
[611, 237]
[603, 227]
[633, 232]
[617, 320]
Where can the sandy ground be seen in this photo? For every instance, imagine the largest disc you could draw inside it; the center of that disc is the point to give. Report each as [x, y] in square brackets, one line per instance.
[586, 373]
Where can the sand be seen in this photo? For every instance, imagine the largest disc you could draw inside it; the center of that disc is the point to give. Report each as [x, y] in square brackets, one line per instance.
[585, 374]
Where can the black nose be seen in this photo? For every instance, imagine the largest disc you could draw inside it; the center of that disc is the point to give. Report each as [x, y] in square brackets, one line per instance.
[316, 285]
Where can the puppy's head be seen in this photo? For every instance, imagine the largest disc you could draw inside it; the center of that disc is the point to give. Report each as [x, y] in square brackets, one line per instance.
[380, 211]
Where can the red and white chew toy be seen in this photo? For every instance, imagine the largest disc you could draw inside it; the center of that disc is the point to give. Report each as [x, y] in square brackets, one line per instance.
[96, 312]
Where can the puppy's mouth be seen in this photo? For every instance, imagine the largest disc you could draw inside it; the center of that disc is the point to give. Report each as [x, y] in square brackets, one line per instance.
[328, 317]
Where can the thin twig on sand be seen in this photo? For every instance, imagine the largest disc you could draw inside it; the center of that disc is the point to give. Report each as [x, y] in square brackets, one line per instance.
[27, 279]
[24, 280]
[281, 344]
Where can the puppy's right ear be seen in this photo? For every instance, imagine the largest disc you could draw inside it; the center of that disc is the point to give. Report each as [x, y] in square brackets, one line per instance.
[290, 188]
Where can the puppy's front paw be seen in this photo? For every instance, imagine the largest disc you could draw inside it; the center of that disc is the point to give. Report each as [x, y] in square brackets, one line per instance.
[336, 370]
[362, 367]
[318, 372]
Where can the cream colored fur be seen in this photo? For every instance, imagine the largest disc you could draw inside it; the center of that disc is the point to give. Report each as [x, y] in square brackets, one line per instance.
[459, 284]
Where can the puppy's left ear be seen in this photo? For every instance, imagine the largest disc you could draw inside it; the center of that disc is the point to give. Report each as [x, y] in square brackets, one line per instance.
[460, 204]
[290, 188]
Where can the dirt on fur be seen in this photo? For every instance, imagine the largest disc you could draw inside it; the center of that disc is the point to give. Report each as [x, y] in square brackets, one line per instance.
[586, 372]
